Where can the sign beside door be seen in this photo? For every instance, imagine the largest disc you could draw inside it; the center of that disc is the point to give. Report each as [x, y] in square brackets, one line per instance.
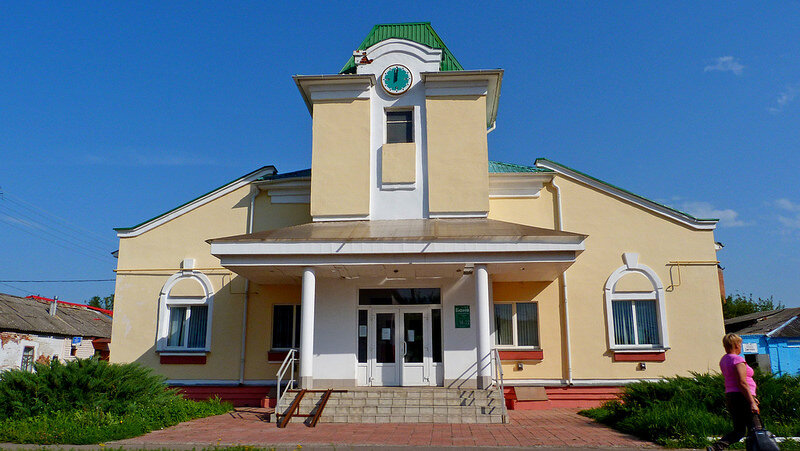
[462, 316]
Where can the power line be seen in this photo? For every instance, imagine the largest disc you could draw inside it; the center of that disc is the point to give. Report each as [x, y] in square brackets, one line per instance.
[75, 239]
[18, 289]
[59, 281]
[74, 248]
[32, 207]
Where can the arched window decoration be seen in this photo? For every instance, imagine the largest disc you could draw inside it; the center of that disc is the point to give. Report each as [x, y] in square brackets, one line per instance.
[636, 314]
[185, 310]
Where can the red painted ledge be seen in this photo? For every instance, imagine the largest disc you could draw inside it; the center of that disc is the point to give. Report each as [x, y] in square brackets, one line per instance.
[183, 359]
[656, 356]
[277, 356]
[521, 355]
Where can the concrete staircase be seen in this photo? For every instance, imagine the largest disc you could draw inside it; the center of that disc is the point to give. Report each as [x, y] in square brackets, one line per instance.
[401, 405]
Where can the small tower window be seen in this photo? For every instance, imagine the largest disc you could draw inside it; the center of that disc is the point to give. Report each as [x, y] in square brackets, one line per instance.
[399, 127]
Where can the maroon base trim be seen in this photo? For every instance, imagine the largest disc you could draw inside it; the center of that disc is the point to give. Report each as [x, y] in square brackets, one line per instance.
[521, 355]
[564, 397]
[276, 356]
[621, 356]
[183, 359]
[239, 396]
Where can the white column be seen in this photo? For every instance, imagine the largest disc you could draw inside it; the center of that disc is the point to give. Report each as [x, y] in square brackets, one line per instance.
[482, 318]
[307, 299]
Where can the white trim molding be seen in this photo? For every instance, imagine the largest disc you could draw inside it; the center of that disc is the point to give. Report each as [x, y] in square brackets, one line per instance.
[340, 218]
[288, 191]
[165, 300]
[632, 265]
[333, 87]
[282, 248]
[576, 382]
[392, 46]
[221, 382]
[465, 214]
[661, 210]
[510, 186]
[199, 202]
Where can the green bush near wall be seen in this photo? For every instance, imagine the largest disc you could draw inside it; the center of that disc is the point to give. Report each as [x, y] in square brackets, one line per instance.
[90, 401]
[684, 411]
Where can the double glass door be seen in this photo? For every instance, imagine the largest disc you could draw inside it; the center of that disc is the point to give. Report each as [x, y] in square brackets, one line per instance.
[400, 347]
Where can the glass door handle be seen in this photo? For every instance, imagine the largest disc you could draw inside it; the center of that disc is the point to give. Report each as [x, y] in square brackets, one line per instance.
[405, 348]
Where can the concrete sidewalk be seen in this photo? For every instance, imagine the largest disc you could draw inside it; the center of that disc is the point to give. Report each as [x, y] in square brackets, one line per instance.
[553, 429]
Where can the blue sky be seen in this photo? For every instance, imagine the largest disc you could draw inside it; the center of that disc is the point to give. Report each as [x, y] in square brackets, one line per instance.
[112, 113]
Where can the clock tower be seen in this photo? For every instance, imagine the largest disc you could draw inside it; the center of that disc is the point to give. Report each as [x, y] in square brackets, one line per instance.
[401, 131]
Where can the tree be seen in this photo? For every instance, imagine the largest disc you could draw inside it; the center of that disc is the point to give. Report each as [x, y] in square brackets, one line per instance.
[737, 305]
[104, 303]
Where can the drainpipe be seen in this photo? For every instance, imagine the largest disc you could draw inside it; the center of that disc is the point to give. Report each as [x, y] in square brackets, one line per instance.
[254, 190]
[563, 277]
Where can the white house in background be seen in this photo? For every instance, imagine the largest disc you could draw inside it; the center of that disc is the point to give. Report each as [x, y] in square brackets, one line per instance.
[39, 329]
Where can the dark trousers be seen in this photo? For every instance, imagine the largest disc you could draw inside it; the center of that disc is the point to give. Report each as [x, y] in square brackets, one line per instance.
[743, 419]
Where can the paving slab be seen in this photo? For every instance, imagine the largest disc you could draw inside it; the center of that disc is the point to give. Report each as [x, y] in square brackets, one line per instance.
[554, 429]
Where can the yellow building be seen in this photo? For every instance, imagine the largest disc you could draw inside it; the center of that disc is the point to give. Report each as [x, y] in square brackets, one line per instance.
[404, 257]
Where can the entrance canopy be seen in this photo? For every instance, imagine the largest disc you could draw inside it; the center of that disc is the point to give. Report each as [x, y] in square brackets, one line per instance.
[400, 249]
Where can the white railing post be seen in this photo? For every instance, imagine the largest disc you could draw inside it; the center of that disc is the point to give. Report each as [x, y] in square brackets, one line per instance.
[497, 369]
[287, 365]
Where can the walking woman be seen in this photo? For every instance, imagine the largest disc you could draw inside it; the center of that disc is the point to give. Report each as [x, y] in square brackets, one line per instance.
[740, 393]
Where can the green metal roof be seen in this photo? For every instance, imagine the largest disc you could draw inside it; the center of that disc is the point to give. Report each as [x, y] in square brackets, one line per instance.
[496, 167]
[419, 32]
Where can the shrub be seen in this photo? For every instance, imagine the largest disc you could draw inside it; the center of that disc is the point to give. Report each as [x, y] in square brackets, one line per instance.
[90, 401]
[684, 411]
[79, 384]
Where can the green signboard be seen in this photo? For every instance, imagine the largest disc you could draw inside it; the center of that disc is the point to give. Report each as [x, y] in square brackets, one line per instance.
[462, 317]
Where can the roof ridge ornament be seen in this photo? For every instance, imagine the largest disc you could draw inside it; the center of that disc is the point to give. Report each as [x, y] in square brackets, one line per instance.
[360, 57]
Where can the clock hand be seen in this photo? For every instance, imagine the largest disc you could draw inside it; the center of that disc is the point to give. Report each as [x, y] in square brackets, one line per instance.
[396, 70]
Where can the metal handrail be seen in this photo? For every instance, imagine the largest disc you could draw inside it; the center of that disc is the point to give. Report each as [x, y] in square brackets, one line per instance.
[287, 365]
[497, 379]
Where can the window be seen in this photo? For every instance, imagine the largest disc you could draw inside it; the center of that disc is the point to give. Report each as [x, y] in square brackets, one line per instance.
[285, 326]
[516, 324]
[635, 309]
[399, 127]
[185, 313]
[27, 359]
[399, 296]
[635, 322]
[187, 326]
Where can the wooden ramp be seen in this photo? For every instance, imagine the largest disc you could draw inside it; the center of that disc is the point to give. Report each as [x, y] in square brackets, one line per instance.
[295, 406]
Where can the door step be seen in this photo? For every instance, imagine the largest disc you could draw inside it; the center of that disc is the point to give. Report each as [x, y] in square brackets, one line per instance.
[393, 405]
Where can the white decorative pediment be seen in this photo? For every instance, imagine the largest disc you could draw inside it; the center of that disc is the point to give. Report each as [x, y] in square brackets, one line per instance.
[390, 51]
[290, 191]
[516, 185]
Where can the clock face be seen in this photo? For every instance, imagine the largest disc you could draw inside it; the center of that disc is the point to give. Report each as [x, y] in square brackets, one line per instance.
[396, 79]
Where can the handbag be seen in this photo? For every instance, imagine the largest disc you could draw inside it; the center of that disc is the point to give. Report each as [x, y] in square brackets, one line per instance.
[760, 439]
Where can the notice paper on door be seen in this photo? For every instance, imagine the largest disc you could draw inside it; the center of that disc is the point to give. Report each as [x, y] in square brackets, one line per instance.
[386, 333]
[410, 336]
[362, 331]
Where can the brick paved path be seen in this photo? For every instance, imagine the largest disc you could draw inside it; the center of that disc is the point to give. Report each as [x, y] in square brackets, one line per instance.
[550, 428]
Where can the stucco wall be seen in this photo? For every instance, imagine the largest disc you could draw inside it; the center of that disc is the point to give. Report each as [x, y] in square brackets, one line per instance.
[259, 327]
[340, 158]
[398, 163]
[613, 226]
[458, 168]
[146, 262]
[546, 295]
